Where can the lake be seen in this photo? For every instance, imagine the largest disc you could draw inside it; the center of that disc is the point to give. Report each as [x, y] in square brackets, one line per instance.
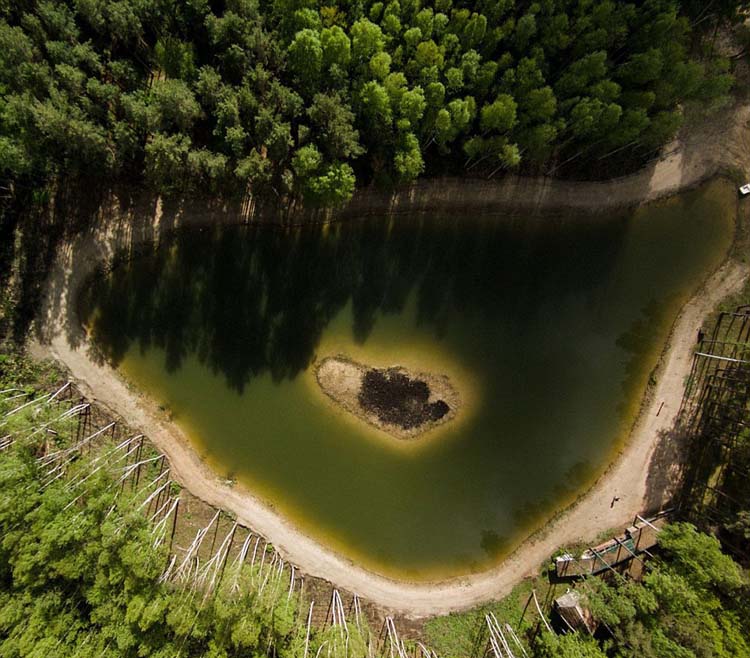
[548, 326]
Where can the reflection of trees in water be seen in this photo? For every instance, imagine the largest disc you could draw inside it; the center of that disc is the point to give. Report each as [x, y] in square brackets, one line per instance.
[253, 300]
[637, 339]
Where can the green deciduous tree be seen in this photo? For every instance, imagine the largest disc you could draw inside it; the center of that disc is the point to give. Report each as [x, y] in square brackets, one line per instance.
[306, 59]
[500, 115]
[367, 40]
[334, 186]
[166, 161]
[175, 105]
[408, 163]
[333, 122]
[375, 103]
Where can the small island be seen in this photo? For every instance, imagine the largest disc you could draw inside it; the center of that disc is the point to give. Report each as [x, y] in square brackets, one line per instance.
[395, 400]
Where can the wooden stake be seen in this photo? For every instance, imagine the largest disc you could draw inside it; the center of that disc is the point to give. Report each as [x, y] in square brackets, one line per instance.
[307, 635]
[539, 610]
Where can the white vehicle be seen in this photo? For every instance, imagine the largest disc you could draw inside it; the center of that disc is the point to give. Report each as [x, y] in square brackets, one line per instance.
[745, 189]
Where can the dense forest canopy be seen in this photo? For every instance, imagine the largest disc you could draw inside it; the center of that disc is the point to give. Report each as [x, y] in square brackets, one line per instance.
[307, 98]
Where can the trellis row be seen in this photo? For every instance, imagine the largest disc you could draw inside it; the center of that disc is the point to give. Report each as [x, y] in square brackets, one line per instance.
[128, 458]
[714, 413]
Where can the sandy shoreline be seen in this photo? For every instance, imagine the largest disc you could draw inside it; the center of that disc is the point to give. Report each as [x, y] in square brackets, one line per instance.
[59, 331]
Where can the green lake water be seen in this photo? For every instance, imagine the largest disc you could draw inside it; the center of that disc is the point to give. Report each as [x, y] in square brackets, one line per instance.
[547, 325]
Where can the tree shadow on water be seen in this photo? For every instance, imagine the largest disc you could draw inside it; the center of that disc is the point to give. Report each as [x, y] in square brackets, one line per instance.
[248, 301]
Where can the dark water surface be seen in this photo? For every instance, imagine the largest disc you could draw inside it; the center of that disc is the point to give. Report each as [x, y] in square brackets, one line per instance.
[548, 326]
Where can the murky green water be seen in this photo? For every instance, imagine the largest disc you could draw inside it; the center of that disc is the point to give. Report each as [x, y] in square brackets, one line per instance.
[549, 327]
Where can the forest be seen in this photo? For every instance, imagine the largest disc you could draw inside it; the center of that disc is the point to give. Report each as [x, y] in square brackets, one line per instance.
[303, 99]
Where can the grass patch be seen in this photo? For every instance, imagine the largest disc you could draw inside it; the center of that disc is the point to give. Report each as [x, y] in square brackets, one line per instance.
[464, 634]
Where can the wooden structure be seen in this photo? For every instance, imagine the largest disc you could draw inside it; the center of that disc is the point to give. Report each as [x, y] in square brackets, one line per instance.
[577, 618]
[715, 420]
[638, 538]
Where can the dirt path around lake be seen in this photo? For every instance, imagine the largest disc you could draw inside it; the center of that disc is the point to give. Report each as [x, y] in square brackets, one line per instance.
[60, 334]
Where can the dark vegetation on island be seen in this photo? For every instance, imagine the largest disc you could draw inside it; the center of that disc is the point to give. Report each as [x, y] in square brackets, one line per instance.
[397, 399]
